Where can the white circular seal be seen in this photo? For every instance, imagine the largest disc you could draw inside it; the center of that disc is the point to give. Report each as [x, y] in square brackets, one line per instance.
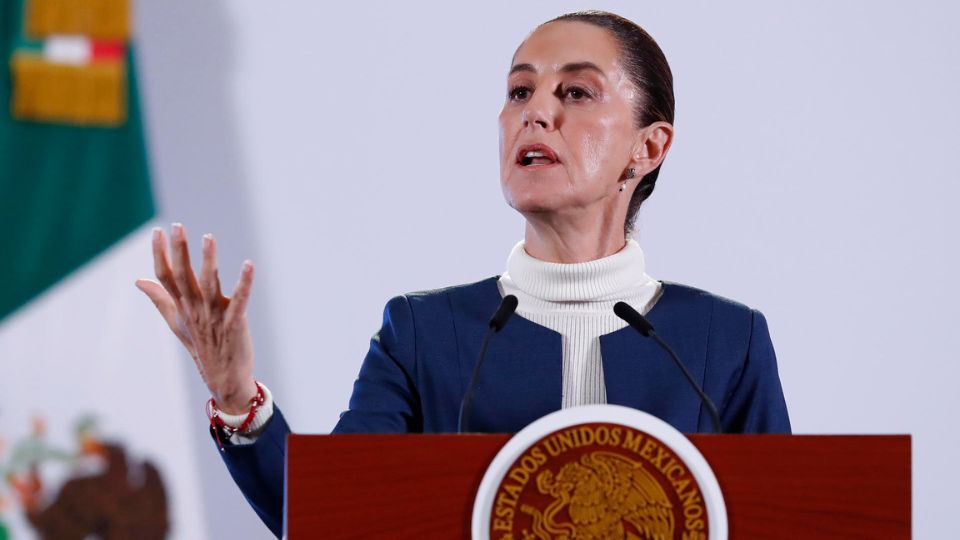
[524, 446]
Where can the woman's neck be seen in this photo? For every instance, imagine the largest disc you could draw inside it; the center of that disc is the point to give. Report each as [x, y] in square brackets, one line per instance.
[567, 242]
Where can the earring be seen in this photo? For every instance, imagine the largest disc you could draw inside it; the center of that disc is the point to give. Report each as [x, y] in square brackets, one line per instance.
[631, 172]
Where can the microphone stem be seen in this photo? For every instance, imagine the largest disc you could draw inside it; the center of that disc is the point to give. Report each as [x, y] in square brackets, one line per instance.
[463, 420]
[711, 408]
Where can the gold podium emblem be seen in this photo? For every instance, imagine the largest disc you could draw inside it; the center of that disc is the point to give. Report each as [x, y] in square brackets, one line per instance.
[601, 494]
[598, 481]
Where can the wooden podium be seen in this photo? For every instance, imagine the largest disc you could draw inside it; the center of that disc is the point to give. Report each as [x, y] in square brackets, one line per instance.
[423, 486]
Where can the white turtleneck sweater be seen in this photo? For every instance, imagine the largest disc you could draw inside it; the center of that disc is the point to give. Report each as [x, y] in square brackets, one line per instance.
[575, 300]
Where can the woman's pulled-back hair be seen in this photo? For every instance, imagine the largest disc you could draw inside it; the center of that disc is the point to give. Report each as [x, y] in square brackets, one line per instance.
[647, 68]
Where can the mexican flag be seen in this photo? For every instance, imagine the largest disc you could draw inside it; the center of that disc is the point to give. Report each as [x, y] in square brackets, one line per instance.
[91, 387]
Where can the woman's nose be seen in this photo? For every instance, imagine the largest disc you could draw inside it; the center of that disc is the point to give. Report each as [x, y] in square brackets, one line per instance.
[538, 113]
[534, 118]
[540, 122]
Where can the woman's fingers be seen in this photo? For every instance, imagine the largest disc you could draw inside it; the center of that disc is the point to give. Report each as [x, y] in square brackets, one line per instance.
[241, 295]
[165, 305]
[161, 264]
[209, 277]
[182, 271]
[212, 327]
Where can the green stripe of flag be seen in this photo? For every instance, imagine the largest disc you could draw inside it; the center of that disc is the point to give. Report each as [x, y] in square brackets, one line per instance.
[66, 192]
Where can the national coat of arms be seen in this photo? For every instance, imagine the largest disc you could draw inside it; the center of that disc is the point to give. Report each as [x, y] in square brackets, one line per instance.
[605, 496]
[583, 475]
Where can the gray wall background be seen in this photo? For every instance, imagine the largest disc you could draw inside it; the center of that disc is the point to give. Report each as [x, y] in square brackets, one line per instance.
[350, 150]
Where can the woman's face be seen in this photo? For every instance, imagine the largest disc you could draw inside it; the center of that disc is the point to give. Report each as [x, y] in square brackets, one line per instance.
[567, 129]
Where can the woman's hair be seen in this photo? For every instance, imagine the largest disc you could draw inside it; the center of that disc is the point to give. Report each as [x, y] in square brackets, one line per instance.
[647, 68]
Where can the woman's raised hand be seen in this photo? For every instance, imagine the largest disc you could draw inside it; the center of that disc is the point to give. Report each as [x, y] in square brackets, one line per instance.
[211, 326]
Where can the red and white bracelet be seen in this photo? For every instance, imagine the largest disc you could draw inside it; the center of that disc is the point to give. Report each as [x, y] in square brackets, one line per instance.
[215, 415]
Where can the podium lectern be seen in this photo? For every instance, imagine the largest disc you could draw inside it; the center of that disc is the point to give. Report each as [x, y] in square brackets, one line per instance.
[423, 486]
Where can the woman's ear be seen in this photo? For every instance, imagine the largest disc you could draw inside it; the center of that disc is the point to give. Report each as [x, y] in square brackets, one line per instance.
[651, 146]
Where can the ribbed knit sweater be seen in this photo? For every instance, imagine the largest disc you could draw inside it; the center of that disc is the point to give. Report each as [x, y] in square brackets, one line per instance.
[576, 300]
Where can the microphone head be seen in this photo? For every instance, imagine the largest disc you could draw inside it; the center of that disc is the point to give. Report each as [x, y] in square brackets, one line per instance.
[507, 306]
[625, 311]
[633, 318]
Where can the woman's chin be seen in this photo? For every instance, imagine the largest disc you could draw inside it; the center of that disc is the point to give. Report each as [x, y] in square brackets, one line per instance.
[534, 202]
[548, 190]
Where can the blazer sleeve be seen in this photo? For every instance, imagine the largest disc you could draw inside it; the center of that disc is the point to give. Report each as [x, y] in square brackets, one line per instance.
[756, 403]
[385, 397]
[258, 470]
[384, 401]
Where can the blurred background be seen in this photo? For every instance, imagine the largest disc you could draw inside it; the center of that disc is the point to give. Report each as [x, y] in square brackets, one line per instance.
[350, 150]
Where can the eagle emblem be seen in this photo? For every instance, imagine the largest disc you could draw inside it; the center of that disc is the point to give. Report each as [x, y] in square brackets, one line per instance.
[605, 496]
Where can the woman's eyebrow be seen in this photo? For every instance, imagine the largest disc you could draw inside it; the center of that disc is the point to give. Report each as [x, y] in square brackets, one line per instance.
[567, 68]
[581, 66]
[522, 67]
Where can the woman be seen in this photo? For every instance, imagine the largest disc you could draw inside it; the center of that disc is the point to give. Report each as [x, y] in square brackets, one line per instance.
[584, 129]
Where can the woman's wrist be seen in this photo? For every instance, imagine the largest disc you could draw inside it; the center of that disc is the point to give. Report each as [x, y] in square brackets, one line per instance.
[238, 402]
[262, 413]
[241, 428]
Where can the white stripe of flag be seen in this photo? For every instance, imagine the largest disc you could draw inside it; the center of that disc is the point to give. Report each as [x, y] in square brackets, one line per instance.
[68, 49]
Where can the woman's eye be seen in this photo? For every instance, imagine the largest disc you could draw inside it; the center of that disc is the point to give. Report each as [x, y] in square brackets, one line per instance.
[519, 93]
[576, 93]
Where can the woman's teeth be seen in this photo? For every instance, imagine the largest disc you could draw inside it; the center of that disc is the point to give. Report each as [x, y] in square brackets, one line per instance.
[534, 157]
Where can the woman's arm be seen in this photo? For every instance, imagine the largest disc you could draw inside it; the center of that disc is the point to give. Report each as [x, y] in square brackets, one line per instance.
[756, 403]
[257, 469]
[385, 397]
[384, 400]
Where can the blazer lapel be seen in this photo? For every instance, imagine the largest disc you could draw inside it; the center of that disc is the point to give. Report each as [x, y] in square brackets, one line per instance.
[521, 377]
[639, 374]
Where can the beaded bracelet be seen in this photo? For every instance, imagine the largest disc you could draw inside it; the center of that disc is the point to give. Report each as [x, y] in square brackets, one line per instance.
[217, 424]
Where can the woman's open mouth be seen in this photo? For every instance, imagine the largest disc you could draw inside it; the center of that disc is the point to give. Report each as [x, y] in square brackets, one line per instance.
[536, 156]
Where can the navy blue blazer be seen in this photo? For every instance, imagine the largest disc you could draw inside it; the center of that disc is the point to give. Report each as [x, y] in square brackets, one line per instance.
[419, 364]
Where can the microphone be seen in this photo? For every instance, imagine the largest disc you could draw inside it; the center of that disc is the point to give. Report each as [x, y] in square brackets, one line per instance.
[642, 325]
[507, 306]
